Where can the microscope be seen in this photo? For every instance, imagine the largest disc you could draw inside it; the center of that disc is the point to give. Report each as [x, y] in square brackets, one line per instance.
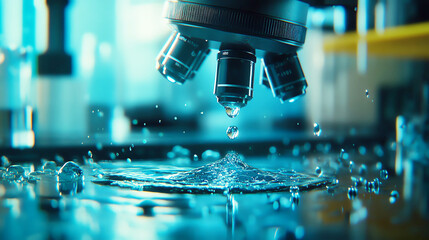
[243, 31]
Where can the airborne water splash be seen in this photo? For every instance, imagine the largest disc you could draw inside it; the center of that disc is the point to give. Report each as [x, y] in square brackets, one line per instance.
[228, 174]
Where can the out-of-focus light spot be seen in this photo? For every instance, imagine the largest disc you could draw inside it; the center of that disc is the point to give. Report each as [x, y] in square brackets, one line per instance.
[105, 50]
[87, 59]
[171, 79]
[339, 20]
[120, 125]
[145, 16]
[317, 17]
[2, 57]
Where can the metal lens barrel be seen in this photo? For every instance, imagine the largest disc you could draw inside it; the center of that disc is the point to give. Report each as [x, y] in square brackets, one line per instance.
[234, 77]
[285, 76]
[181, 57]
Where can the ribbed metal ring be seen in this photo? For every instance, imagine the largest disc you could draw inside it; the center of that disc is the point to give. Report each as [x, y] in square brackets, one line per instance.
[236, 21]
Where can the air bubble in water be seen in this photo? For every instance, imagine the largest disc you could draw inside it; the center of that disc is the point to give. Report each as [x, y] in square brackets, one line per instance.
[319, 171]
[366, 93]
[232, 132]
[316, 129]
[384, 174]
[232, 111]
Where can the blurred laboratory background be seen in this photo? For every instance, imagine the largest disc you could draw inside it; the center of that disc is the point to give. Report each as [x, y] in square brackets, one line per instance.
[358, 83]
[79, 81]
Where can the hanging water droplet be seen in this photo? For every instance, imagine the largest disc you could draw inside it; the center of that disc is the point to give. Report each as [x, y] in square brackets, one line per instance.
[319, 171]
[295, 198]
[90, 154]
[316, 130]
[384, 174]
[128, 160]
[352, 192]
[294, 189]
[232, 132]
[195, 157]
[366, 93]
[394, 195]
[232, 111]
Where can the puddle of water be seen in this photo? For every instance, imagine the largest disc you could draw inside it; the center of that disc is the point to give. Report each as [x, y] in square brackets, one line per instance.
[229, 174]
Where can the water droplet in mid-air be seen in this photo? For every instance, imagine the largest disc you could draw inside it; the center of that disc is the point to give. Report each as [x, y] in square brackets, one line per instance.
[232, 132]
[384, 174]
[319, 171]
[232, 111]
[316, 130]
[394, 195]
[352, 192]
[351, 166]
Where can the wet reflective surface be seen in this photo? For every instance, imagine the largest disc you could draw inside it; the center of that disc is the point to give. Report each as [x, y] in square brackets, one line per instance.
[356, 203]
